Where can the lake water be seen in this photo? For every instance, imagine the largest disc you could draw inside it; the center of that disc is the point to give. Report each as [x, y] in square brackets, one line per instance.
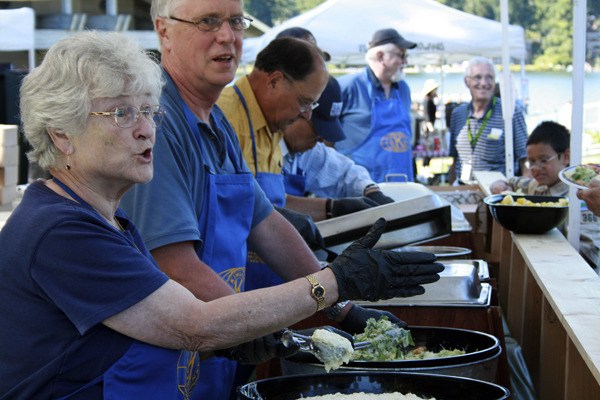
[549, 94]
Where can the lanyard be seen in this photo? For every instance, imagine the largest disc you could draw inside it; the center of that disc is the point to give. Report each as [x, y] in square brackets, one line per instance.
[486, 118]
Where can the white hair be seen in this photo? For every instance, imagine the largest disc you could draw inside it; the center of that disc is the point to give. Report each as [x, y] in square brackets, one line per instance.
[90, 65]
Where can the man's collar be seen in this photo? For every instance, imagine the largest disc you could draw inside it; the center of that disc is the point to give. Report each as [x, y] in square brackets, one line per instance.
[284, 149]
[375, 81]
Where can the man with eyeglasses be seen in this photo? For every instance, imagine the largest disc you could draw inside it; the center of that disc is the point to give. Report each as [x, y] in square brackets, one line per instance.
[376, 115]
[202, 207]
[477, 128]
[289, 76]
[548, 153]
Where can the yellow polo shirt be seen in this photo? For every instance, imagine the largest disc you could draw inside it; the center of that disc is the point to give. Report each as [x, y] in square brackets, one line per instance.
[268, 152]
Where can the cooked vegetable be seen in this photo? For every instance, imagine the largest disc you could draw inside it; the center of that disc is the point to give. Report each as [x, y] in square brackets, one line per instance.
[521, 201]
[390, 343]
[384, 346]
[584, 174]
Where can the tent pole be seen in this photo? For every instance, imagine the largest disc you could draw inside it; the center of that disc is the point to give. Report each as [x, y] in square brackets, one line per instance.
[507, 93]
[579, 33]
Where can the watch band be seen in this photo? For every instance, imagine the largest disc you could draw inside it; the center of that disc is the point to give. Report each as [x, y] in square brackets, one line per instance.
[317, 291]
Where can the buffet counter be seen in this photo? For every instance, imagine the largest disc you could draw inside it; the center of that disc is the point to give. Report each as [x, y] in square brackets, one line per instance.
[550, 298]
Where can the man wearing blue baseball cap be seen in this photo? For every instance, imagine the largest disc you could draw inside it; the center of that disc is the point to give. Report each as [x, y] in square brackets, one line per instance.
[310, 166]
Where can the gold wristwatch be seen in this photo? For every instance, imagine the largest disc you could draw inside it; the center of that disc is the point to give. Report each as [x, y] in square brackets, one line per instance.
[317, 291]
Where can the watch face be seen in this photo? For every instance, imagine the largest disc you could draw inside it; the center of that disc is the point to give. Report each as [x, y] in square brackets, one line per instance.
[319, 291]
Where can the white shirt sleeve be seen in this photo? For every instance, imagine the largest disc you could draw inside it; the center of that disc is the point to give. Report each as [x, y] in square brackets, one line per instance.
[329, 173]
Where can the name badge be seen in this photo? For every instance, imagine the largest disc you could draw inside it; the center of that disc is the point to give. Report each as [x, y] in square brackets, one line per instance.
[495, 134]
[465, 172]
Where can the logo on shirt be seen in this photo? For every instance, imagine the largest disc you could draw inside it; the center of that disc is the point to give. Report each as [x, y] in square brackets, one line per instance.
[395, 142]
[188, 373]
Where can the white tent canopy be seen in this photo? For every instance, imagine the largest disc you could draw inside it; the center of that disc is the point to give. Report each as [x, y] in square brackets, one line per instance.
[443, 34]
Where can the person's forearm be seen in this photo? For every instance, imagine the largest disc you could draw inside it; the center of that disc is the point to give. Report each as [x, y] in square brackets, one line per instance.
[281, 247]
[172, 317]
[181, 262]
[315, 207]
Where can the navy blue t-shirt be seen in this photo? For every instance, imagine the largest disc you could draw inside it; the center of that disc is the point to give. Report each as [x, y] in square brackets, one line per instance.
[63, 271]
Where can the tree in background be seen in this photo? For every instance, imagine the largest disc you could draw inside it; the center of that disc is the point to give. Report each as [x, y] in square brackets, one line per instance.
[555, 28]
[272, 12]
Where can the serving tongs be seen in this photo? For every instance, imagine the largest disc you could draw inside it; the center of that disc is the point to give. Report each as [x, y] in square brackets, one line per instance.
[306, 343]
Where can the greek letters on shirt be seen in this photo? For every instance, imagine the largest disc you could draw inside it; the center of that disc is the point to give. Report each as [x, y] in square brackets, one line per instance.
[395, 142]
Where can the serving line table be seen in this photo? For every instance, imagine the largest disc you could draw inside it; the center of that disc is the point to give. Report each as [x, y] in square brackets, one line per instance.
[550, 298]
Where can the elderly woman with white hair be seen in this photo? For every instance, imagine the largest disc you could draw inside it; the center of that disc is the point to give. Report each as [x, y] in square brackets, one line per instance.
[86, 312]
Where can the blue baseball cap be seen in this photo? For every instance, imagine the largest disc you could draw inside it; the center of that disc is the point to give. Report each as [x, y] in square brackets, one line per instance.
[326, 117]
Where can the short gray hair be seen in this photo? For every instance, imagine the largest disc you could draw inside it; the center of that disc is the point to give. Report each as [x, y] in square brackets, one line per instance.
[58, 94]
[164, 8]
[372, 52]
[479, 61]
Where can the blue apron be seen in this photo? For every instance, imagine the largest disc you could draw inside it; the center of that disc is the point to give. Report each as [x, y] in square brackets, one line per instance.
[144, 371]
[295, 180]
[387, 147]
[258, 274]
[224, 224]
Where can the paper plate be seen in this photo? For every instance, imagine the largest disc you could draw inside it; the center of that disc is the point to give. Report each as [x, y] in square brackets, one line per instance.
[565, 176]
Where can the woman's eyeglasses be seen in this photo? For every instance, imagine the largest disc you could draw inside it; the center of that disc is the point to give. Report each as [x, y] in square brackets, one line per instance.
[127, 116]
[541, 163]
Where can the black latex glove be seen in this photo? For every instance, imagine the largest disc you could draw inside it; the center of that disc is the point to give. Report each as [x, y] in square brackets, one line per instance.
[378, 197]
[366, 274]
[310, 331]
[259, 350]
[356, 319]
[305, 225]
[348, 205]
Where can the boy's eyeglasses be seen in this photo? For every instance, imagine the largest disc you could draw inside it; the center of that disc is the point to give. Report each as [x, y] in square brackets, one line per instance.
[541, 163]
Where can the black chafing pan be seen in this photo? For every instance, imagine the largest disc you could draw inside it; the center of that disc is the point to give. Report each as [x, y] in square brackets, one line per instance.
[424, 385]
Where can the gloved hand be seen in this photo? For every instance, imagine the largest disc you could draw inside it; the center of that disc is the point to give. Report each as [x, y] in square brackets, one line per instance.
[356, 319]
[310, 331]
[378, 197]
[305, 225]
[259, 350]
[348, 205]
[366, 274]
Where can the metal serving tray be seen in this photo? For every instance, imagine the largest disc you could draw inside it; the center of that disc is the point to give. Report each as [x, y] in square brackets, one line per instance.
[461, 284]
[419, 217]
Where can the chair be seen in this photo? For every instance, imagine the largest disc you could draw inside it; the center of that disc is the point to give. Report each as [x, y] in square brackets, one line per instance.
[119, 22]
[69, 22]
[17, 31]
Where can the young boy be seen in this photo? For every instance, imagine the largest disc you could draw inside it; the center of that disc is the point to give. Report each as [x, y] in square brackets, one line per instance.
[547, 154]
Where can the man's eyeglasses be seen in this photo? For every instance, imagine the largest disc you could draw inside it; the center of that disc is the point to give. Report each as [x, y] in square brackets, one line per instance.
[213, 24]
[541, 163]
[479, 78]
[127, 116]
[402, 56]
[305, 105]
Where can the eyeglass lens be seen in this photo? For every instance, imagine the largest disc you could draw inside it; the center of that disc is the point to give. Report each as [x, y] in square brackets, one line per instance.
[541, 163]
[126, 117]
